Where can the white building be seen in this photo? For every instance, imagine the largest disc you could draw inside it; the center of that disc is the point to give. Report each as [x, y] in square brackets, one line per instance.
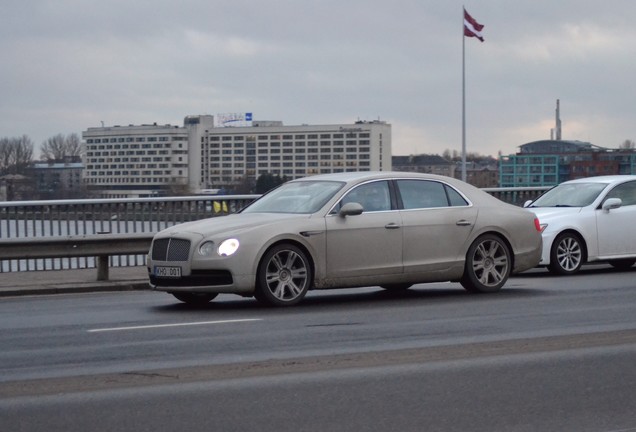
[151, 159]
[135, 161]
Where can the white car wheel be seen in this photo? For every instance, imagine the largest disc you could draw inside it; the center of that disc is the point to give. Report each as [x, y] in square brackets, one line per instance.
[566, 256]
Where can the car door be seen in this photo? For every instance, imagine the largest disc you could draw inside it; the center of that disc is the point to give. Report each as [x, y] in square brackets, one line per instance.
[367, 244]
[437, 222]
[617, 227]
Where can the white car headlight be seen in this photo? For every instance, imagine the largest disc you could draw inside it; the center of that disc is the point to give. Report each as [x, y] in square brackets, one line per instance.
[207, 248]
[228, 247]
[543, 226]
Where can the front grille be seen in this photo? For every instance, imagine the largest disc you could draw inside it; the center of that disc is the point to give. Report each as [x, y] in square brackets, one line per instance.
[170, 250]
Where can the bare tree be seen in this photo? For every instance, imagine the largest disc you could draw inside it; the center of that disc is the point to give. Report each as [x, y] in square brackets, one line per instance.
[15, 154]
[627, 145]
[60, 147]
[5, 155]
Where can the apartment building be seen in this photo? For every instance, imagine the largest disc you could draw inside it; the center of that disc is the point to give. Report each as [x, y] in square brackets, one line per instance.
[550, 162]
[135, 161]
[152, 160]
[58, 180]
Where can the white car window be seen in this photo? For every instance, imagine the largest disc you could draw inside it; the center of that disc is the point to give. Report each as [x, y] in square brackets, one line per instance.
[570, 195]
[626, 192]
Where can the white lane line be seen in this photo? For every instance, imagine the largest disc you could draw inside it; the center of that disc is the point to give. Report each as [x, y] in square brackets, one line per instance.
[172, 325]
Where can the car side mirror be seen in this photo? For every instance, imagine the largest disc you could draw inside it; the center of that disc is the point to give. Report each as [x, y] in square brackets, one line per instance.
[351, 209]
[612, 203]
[527, 203]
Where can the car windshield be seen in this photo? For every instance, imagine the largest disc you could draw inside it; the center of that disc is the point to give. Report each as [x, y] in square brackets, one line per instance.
[296, 197]
[570, 195]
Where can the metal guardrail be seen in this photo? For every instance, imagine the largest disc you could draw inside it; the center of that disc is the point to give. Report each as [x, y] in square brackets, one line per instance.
[99, 246]
[517, 195]
[29, 220]
[64, 234]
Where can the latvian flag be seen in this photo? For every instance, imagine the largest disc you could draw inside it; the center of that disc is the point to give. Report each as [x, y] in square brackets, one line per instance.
[471, 27]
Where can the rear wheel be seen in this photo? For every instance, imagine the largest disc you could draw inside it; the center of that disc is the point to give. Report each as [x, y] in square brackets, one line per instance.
[488, 265]
[566, 255]
[284, 276]
[195, 299]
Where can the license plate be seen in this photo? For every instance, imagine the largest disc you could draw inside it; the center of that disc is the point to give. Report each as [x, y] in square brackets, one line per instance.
[167, 272]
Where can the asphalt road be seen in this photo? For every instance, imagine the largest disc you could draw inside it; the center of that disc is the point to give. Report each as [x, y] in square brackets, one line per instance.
[544, 354]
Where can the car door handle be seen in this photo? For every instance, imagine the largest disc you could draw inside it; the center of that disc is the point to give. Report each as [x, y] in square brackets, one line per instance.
[463, 222]
[392, 226]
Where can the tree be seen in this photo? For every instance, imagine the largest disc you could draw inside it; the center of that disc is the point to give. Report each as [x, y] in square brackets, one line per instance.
[455, 156]
[268, 181]
[60, 147]
[15, 154]
[627, 145]
[246, 186]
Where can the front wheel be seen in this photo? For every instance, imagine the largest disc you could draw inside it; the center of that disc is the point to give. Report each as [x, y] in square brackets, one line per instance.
[194, 299]
[284, 276]
[566, 255]
[488, 265]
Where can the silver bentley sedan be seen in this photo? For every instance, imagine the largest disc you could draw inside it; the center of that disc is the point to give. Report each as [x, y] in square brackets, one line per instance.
[387, 229]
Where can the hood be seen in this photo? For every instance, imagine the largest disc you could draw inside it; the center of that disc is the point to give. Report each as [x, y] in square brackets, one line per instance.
[544, 213]
[229, 223]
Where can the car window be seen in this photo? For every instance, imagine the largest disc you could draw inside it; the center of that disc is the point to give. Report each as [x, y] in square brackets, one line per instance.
[295, 197]
[372, 196]
[626, 192]
[454, 197]
[417, 194]
[570, 195]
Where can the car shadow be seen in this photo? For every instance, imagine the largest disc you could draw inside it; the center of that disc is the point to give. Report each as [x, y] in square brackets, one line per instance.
[586, 269]
[361, 297]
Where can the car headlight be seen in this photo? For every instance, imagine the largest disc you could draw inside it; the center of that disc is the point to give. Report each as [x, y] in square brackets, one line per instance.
[228, 247]
[543, 226]
[207, 248]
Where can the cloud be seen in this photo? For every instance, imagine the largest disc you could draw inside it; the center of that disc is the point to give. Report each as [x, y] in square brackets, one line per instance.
[70, 64]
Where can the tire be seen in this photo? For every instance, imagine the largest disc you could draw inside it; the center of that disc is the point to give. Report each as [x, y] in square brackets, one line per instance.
[195, 299]
[284, 276]
[622, 264]
[488, 265]
[567, 254]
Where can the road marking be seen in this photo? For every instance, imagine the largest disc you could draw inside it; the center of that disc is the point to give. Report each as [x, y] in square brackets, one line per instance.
[172, 325]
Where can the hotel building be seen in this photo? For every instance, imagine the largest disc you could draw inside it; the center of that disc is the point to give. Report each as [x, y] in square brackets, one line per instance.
[156, 160]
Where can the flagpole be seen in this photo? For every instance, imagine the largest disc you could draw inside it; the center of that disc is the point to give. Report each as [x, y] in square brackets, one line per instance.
[463, 99]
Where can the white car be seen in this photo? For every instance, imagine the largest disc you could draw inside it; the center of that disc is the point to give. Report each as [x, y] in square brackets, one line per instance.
[348, 230]
[586, 220]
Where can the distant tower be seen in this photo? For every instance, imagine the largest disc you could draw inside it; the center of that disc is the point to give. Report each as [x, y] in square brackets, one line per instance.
[558, 122]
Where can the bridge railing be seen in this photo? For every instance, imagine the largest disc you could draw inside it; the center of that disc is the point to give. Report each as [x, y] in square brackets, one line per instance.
[517, 195]
[79, 220]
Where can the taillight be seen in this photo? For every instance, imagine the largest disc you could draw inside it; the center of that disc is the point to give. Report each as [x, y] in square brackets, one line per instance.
[537, 225]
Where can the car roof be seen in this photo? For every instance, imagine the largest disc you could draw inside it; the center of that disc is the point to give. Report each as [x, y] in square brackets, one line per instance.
[372, 175]
[604, 179]
[352, 178]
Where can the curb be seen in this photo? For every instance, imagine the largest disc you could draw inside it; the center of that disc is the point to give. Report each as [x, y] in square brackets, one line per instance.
[75, 288]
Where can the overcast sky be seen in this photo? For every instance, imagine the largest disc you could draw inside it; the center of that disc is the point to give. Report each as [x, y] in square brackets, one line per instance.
[68, 65]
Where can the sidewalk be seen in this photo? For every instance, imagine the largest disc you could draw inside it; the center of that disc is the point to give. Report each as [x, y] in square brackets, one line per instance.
[72, 281]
